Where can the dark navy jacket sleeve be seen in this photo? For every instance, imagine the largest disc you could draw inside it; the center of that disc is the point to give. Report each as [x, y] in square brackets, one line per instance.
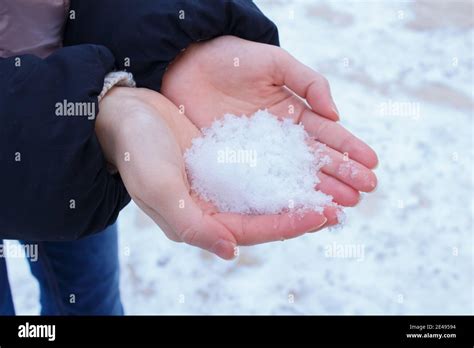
[53, 179]
[146, 35]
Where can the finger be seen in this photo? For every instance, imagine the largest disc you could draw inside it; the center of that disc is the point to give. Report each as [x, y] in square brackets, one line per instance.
[326, 131]
[256, 229]
[308, 84]
[192, 225]
[342, 194]
[332, 213]
[339, 138]
[349, 172]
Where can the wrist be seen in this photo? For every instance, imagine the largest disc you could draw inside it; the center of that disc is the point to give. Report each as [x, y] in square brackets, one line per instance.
[111, 120]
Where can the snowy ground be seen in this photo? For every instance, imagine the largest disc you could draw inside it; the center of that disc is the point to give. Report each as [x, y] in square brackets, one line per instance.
[401, 73]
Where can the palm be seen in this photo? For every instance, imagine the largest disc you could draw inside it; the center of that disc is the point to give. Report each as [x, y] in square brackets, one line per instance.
[240, 77]
[154, 135]
[234, 82]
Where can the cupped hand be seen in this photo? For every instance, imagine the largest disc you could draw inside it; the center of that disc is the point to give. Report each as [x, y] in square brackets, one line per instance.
[144, 136]
[232, 75]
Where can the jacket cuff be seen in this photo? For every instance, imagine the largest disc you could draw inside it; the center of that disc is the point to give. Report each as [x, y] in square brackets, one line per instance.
[116, 78]
[147, 36]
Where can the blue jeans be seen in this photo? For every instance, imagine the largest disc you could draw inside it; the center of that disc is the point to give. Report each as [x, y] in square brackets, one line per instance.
[76, 278]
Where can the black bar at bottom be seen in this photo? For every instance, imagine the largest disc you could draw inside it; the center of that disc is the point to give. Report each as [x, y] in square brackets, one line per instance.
[192, 330]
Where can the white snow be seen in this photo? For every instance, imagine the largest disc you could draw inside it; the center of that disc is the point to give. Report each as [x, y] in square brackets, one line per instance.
[412, 236]
[257, 164]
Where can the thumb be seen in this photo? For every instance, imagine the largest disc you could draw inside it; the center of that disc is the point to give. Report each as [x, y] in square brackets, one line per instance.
[308, 84]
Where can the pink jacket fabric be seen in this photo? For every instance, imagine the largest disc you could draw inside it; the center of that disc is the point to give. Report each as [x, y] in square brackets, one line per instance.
[31, 26]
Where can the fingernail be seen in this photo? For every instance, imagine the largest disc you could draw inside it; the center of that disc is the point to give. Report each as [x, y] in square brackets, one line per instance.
[373, 186]
[317, 227]
[224, 249]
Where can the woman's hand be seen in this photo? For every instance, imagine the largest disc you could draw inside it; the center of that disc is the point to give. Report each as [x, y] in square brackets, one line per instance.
[232, 75]
[144, 136]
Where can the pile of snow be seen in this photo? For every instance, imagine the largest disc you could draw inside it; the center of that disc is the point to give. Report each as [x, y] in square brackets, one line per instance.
[257, 165]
